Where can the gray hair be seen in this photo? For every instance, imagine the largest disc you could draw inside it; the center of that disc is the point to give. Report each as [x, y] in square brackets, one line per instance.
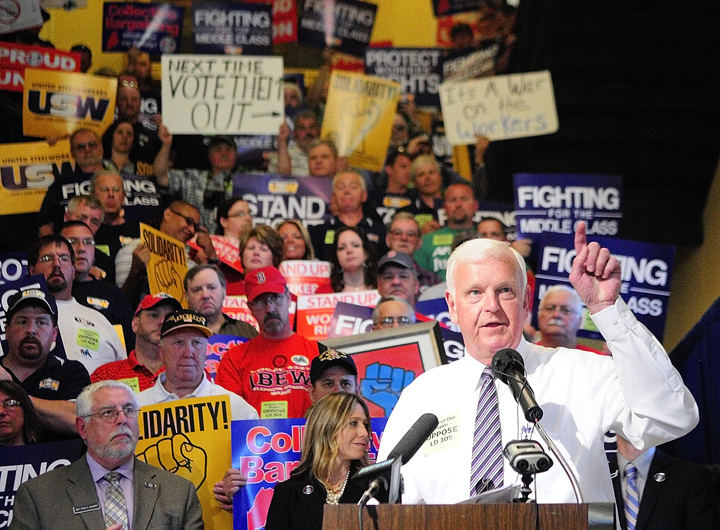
[478, 250]
[560, 288]
[423, 160]
[360, 178]
[376, 311]
[83, 404]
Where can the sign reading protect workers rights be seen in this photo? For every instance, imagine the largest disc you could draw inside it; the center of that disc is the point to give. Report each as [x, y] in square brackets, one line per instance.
[358, 117]
[499, 107]
[417, 70]
[56, 103]
[152, 28]
[26, 172]
[14, 58]
[222, 94]
[223, 28]
[267, 451]
[345, 25]
[555, 203]
[273, 198]
[646, 276]
[190, 438]
[168, 263]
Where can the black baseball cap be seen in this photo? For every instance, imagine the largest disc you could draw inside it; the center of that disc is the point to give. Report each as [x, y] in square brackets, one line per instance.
[185, 318]
[330, 358]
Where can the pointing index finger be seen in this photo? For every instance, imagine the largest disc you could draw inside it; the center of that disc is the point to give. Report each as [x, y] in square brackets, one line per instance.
[580, 237]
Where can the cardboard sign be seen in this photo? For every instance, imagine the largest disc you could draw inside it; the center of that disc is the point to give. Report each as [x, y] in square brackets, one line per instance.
[168, 263]
[190, 437]
[267, 451]
[345, 25]
[314, 312]
[306, 277]
[646, 276]
[14, 58]
[358, 117]
[16, 15]
[152, 28]
[57, 103]
[221, 28]
[274, 198]
[221, 94]
[417, 70]
[27, 171]
[500, 107]
[555, 203]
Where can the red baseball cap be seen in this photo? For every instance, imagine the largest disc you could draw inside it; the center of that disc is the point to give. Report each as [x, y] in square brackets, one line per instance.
[264, 280]
[152, 300]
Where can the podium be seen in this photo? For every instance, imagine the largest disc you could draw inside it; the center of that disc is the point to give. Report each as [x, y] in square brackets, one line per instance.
[596, 516]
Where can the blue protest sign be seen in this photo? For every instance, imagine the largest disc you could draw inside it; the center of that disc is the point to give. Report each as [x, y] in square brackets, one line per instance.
[555, 203]
[347, 27]
[152, 28]
[646, 276]
[418, 70]
[13, 266]
[237, 28]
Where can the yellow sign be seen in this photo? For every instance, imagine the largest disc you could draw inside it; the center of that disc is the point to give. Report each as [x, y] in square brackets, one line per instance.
[57, 103]
[168, 263]
[191, 438]
[26, 172]
[358, 117]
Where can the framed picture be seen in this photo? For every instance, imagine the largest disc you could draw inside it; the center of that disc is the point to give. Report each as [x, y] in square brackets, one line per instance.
[388, 360]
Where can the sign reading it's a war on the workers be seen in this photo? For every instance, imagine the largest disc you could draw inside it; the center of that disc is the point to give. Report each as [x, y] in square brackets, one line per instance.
[190, 438]
[56, 103]
[237, 28]
[358, 117]
[274, 198]
[646, 276]
[168, 262]
[26, 172]
[151, 28]
[555, 203]
[222, 94]
[14, 58]
[345, 25]
[267, 451]
[417, 70]
[499, 107]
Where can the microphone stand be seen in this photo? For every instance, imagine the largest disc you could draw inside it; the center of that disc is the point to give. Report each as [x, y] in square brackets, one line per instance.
[573, 479]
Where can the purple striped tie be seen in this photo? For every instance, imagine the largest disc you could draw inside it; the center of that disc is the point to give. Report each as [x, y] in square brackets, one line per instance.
[487, 464]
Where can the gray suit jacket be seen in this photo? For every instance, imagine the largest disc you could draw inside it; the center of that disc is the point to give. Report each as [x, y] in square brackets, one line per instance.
[66, 498]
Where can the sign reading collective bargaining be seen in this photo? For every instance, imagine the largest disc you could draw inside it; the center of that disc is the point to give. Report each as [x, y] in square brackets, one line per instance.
[14, 58]
[555, 203]
[646, 275]
[499, 107]
[222, 94]
[346, 25]
[152, 28]
[358, 117]
[417, 70]
[232, 28]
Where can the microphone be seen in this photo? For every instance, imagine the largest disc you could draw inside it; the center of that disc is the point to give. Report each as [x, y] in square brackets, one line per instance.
[509, 367]
[402, 452]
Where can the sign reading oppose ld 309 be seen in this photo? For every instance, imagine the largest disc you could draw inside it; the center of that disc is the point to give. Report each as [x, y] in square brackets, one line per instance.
[500, 107]
[222, 94]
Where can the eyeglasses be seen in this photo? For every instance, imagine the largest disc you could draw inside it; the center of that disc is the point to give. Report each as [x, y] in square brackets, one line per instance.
[260, 303]
[111, 415]
[399, 233]
[389, 321]
[50, 258]
[565, 310]
[87, 145]
[129, 84]
[10, 405]
[239, 214]
[84, 241]
[189, 220]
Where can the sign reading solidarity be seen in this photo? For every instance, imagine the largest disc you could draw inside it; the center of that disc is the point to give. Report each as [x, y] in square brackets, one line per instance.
[222, 94]
[499, 107]
[168, 264]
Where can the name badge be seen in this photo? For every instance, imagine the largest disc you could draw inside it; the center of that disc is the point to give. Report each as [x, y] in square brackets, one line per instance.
[84, 509]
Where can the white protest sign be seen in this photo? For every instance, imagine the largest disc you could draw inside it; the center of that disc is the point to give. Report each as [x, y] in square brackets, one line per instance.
[222, 94]
[500, 107]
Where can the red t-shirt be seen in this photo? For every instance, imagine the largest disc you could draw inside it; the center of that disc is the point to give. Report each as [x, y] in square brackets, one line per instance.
[129, 371]
[272, 375]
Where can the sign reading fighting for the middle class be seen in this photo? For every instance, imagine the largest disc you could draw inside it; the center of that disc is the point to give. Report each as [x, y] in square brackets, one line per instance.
[222, 94]
[555, 203]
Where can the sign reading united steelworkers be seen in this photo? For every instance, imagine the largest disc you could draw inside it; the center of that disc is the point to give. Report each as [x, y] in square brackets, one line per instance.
[222, 94]
[151, 28]
[499, 107]
[56, 103]
[417, 70]
[267, 451]
[14, 58]
[555, 203]
[646, 276]
[223, 28]
[26, 172]
[358, 117]
[274, 198]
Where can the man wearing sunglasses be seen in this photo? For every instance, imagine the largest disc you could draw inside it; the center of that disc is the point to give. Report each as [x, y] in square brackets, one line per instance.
[108, 487]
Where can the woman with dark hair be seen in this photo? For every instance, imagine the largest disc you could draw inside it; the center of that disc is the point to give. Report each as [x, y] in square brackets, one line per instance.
[337, 433]
[261, 247]
[19, 421]
[353, 262]
[123, 136]
[296, 240]
[233, 218]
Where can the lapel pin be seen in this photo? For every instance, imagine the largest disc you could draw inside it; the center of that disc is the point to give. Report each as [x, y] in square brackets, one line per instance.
[307, 490]
[659, 477]
[150, 485]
